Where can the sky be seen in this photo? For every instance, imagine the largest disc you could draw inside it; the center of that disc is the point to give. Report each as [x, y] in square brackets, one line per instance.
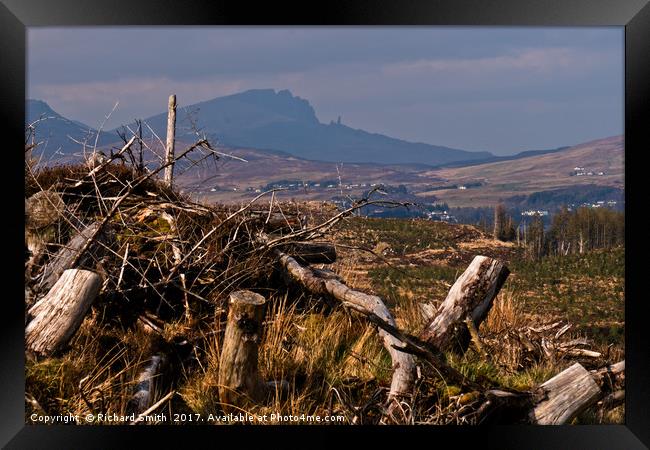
[498, 89]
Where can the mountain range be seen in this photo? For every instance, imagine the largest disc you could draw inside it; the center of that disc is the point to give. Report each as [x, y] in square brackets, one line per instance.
[262, 119]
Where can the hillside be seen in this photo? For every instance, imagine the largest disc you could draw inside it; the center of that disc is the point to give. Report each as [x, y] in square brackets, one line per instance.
[501, 180]
[55, 131]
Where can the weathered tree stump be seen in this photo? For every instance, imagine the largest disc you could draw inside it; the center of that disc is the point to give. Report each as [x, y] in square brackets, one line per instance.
[58, 315]
[565, 396]
[471, 297]
[239, 379]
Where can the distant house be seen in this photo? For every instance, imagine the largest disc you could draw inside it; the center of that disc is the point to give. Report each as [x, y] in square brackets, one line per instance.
[462, 187]
[534, 212]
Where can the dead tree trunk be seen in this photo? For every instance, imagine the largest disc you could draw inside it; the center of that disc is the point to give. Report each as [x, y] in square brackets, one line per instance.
[565, 396]
[403, 363]
[239, 379]
[470, 297]
[58, 315]
[171, 135]
[64, 258]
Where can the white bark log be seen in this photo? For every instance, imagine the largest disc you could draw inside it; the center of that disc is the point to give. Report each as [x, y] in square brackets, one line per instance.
[58, 315]
[171, 136]
[403, 363]
[567, 394]
[471, 296]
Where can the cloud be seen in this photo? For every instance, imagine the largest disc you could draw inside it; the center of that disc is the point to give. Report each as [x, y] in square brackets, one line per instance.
[536, 60]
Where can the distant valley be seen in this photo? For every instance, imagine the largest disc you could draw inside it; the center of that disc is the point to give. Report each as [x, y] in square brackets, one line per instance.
[287, 148]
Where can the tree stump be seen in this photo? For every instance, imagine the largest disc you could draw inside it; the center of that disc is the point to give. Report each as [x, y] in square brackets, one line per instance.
[566, 395]
[471, 297]
[239, 379]
[58, 315]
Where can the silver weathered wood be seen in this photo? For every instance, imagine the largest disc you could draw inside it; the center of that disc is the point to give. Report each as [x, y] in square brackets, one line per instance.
[403, 363]
[239, 379]
[566, 395]
[471, 296]
[58, 315]
[68, 255]
[171, 136]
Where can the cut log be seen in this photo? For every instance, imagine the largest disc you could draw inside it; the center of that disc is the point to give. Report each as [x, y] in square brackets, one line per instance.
[309, 253]
[471, 296]
[148, 387]
[403, 363]
[565, 396]
[58, 315]
[65, 257]
[239, 379]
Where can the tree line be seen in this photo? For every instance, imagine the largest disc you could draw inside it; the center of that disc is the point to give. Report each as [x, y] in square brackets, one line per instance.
[570, 231]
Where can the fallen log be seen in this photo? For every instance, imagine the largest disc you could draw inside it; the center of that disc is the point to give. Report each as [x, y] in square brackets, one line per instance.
[471, 297]
[403, 363]
[610, 377]
[310, 253]
[58, 315]
[614, 399]
[239, 379]
[565, 396]
[558, 400]
[65, 257]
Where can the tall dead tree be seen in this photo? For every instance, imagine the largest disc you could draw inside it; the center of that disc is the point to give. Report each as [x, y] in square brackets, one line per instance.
[471, 298]
[171, 135]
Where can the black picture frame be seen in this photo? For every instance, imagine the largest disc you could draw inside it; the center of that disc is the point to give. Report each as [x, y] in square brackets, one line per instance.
[634, 15]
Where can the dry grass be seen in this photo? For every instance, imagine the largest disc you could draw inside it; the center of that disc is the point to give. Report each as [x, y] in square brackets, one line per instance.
[331, 358]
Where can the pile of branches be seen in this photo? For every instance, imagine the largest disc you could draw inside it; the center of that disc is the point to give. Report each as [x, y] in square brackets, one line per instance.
[109, 234]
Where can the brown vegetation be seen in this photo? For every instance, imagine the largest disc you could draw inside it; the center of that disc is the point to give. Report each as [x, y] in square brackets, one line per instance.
[157, 334]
